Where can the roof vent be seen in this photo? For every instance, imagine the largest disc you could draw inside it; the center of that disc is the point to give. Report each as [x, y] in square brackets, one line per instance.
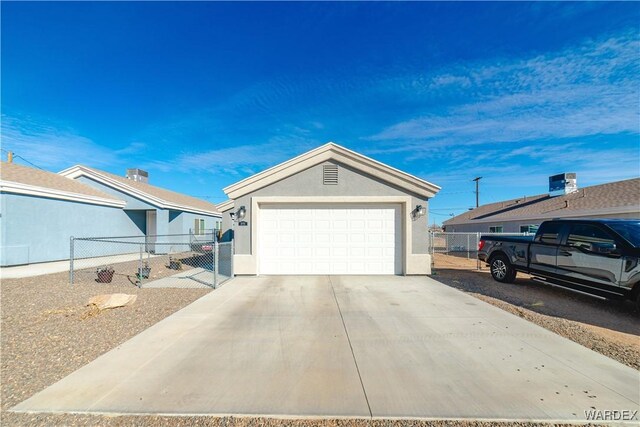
[330, 174]
[563, 183]
[138, 175]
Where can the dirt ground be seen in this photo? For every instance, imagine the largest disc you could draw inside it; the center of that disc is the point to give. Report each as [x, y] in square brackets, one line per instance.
[608, 327]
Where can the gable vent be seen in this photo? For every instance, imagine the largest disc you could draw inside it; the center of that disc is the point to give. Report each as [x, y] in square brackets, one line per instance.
[330, 174]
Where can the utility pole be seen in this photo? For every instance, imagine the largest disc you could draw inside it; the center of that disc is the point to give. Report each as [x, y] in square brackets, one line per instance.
[477, 180]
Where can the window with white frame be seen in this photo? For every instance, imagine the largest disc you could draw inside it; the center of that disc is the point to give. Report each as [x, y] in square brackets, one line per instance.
[198, 226]
[495, 229]
[531, 228]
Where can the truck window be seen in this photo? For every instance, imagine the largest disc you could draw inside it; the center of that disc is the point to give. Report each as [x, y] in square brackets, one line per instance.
[549, 232]
[629, 230]
[587, 237]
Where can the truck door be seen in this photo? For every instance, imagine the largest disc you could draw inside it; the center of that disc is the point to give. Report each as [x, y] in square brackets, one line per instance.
[544, 249]
[589, 257]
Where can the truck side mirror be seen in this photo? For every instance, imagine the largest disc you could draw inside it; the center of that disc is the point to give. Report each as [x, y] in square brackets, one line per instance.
[604, 248]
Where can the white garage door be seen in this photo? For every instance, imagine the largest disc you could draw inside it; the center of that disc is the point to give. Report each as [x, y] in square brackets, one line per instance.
[336, 239]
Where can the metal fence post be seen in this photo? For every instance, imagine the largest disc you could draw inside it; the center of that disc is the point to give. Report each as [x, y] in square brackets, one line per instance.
[216, 263]
[233, 251]
[468, 247]
[71, 254]
[478, 263]
[140, 268]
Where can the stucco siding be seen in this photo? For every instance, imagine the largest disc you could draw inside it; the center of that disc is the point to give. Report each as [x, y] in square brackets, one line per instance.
[183, 222]
[514, 226]
[36, 229]
[132, 202]
[308, 183]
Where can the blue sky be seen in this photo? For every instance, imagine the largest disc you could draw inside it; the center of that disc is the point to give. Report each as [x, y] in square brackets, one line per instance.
[204, 94]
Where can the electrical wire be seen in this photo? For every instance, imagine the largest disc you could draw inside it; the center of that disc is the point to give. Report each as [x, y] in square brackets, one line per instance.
[16, 156]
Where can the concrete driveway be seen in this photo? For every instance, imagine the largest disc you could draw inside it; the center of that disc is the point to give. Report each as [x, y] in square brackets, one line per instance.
[336, 346]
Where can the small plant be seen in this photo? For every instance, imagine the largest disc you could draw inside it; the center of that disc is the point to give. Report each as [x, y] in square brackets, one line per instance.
[175, 264]
[105, 274]
[144, 271]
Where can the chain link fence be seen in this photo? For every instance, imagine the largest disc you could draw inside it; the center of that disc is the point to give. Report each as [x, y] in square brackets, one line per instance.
[162, 261]
[459, 245]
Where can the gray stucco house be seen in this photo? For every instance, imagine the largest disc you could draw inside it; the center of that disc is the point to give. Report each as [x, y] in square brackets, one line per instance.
[620, 199]
[329, 211]
[41, 210]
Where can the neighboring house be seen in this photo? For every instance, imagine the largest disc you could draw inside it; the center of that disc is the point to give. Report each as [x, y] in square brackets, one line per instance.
[163, 211]
[41, 210]
[329, 211]
[619, 199]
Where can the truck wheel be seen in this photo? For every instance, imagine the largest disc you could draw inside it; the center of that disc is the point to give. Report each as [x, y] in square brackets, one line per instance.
[502, 270]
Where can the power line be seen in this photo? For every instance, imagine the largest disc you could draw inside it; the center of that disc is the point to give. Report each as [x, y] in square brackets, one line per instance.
[446, 193]
[439, 214]
[20, 157]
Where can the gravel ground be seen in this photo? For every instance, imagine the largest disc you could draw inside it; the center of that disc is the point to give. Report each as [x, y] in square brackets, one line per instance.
[155, 421]
[47, 333]
[611, 328]
[125, 272]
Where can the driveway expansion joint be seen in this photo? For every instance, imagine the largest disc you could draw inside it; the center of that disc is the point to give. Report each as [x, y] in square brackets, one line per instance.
[355, 361]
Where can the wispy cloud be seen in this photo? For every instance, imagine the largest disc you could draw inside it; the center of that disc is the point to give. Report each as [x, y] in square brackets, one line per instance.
[246, 159]
[51, 146]
[588, 90]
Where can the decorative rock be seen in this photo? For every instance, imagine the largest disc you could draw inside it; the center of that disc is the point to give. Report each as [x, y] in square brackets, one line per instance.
[106, 301]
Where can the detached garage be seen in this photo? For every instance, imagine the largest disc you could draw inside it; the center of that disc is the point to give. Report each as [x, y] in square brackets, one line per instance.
[329, 211]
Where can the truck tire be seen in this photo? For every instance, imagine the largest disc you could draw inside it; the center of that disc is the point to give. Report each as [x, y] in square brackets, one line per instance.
[501, 269]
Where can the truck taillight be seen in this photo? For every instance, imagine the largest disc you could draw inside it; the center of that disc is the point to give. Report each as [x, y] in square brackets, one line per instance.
[480, 245]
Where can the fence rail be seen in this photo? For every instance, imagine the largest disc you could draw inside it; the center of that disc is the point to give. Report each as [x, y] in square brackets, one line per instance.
[170, 260]
[460, 244]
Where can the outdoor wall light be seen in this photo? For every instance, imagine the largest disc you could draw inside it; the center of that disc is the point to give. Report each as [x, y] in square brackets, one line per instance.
[242, 212]
[419, 211]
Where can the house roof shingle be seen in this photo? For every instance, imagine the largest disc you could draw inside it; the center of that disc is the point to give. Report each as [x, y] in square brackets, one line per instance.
[37, 178]
[619, 194]
[164, 196]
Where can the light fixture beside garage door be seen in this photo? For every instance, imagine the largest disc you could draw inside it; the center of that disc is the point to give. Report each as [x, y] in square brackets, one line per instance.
[242, 212]
[419, 211]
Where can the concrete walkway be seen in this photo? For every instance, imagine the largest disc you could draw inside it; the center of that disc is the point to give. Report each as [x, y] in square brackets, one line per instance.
[192, 278]
[346, 346]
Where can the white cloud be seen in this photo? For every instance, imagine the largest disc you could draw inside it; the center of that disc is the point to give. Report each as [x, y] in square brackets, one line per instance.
[49, 146]
[246, 159]
[589, 90]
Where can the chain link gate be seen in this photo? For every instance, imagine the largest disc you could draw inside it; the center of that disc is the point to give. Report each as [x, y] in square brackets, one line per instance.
[460, 245]
[162, 261]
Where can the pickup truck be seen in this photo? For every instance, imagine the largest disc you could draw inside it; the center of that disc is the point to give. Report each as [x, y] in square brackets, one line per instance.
[596, 256]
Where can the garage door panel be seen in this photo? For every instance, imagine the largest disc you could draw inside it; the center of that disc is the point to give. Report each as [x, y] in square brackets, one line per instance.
[357, 238]
[329, 240]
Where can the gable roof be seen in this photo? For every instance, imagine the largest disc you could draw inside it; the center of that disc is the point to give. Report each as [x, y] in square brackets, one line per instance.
[611, 198]
[151, 194]
[331, 151]
[25, 180]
